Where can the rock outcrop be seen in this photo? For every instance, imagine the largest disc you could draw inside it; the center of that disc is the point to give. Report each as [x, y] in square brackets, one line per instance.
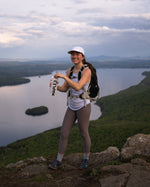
[138, 145]
[109, 168]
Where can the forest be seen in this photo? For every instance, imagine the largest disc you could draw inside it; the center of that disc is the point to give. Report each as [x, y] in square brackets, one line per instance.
[13, 73]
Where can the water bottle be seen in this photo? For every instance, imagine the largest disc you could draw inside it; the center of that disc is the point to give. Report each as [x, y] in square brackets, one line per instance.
[53, 83]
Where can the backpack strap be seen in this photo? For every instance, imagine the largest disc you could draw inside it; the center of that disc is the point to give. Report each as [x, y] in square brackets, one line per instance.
[69, 91]
[71, 72]
[84, 95]
[81, 70]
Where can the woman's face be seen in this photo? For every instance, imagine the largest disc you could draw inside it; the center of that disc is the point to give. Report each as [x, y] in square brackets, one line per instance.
[76, 57]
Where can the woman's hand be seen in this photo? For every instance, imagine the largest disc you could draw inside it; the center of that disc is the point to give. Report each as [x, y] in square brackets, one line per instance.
[59, 75]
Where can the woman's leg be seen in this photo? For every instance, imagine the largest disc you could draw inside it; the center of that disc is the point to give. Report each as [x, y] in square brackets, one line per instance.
[83, 116]
[68, 123]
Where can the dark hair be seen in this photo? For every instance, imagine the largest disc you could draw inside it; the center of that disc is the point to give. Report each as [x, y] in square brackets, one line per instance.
[93, 70]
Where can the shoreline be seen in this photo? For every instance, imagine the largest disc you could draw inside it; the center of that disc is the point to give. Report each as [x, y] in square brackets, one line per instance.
[119, 121]
[60, 125]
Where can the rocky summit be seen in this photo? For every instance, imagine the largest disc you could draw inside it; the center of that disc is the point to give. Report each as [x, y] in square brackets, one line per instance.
[109, 168]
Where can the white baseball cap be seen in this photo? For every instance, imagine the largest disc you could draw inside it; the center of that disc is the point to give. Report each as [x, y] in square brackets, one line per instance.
[77, 49]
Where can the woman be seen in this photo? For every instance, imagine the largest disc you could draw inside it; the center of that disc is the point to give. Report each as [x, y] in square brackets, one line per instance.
[76, 107]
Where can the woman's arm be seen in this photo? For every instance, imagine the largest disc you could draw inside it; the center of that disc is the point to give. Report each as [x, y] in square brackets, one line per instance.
[65, 86]
[62, 88]
[86, 76]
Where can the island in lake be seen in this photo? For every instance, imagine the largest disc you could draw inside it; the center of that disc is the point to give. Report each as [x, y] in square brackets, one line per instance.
[37, 111]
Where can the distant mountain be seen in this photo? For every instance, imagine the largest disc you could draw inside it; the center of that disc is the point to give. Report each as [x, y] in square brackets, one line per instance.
[67, 60]
[103, 57]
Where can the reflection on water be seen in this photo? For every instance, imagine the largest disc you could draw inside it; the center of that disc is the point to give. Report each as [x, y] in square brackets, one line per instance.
[14, 100]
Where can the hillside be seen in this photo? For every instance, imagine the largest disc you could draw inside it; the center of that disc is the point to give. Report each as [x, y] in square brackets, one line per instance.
[16, 72]
[124, 114]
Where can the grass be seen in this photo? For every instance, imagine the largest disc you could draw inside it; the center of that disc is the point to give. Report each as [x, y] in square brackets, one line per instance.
[124, 114]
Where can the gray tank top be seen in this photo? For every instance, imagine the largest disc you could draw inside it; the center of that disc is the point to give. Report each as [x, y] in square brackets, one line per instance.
[77, 103]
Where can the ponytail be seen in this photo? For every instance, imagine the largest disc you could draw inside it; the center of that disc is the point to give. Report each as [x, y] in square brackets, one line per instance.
[93, 70]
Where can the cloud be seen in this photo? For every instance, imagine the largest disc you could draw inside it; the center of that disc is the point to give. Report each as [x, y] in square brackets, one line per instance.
[9, 39]
[144, 16]
[90, 10]
[18, 30]
[83, 28]
[75, 28]
[127, 21]
[33, 28]
[79, 1]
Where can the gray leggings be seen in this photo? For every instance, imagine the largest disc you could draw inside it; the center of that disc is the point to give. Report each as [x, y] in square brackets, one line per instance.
[82, 116]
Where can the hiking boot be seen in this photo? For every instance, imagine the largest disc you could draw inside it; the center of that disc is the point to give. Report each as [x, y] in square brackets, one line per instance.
[55, 164]
[84, 164]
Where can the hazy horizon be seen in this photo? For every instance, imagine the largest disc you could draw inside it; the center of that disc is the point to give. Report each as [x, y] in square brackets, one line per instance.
[45, 29]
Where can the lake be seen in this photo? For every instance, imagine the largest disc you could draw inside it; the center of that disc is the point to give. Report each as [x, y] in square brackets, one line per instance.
[14, 100]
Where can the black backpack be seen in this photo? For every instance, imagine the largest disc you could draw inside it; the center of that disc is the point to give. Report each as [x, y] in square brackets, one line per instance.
[93, 89]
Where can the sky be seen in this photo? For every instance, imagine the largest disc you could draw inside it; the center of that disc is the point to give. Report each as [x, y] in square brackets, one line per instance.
[46, 29]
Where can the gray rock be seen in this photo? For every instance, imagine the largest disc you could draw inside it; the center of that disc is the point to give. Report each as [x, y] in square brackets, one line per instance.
[23, 163]
[134, 174]
[34, 169]
[114, 181]
[117, 169]
[140, 162]
[96, 159]
[37, 159]
[139, 178]
[18, 164]
[138, 145]
[106, 156]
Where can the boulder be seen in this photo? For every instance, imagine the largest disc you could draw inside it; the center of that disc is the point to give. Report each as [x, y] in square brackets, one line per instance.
[96, 159]
[114, 181]
[34, 169]
[134, 174]
[137, 145]
[104, 157]
[23, 163]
